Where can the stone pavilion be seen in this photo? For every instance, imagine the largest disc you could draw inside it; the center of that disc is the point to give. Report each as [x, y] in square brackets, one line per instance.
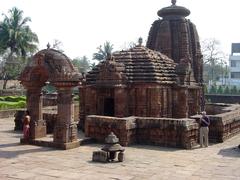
[54, 67]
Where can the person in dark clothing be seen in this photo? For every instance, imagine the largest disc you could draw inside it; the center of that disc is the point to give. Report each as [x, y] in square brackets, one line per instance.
[204, 123]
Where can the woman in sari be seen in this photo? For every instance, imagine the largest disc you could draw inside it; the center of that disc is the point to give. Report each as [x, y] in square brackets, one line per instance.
[26, 125]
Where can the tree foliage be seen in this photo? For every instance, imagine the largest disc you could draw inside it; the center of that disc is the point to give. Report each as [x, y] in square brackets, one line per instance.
[128, 45]
[227, 90]
[16, 35]
[214, 60]
[234, 90]
[17, 43]
[220, 90]
[213, 89]
[82, 64]
[58, 45]
[103, 51]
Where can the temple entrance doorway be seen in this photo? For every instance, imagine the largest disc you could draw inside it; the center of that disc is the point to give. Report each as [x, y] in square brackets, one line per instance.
[109, 107]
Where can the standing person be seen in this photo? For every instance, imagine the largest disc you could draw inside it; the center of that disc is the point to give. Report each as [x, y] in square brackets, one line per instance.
[26, 125]
[204, 123]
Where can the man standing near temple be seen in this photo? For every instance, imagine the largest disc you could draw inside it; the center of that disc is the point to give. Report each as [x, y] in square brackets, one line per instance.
[204, 123]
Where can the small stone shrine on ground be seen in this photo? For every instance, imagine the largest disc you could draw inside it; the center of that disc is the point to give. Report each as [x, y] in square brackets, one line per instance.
[110, 151]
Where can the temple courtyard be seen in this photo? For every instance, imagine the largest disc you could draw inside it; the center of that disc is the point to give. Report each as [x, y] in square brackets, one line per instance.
[218, 161]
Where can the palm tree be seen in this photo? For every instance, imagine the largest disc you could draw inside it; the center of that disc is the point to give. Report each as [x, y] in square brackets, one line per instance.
[16, 38]
[16, 34]
[104, 51]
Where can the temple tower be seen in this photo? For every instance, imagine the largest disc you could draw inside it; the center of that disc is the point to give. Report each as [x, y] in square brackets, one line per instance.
[177, 37]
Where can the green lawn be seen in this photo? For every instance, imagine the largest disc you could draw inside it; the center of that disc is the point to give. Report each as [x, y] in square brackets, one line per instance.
[12, 102]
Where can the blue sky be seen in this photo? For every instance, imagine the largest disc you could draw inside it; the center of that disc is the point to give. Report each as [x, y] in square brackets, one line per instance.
[83, 25]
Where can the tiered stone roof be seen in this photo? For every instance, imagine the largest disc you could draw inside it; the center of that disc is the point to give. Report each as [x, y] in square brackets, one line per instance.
[139, 65]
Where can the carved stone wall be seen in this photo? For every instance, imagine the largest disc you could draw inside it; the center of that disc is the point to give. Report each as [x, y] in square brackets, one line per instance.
[144, 100]
[182, 132]
[155, 131]
[65, 129]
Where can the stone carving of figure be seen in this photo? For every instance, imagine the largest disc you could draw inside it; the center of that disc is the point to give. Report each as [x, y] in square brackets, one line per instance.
[184, 70]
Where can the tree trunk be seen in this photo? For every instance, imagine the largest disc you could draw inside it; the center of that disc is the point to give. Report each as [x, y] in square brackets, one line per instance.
[5, 83]
[5, 78]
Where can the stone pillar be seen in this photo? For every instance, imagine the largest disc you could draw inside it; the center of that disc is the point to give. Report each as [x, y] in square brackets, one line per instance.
[34, 105]
[180, 102]
[65, 129]
[120, 97]
[82, 107]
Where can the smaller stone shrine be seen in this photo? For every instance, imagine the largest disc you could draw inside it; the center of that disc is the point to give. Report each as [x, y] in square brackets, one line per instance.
[54, 67]
[110, 151]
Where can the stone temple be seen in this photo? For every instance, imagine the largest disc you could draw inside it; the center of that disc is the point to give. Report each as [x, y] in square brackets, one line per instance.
[146, 95]
[162, 80]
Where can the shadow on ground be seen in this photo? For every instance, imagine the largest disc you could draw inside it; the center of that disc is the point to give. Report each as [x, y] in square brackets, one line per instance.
[230, 152]
[7, 152]
[155, 148]
[16, 134]
[137, 146]
[8, 145]
[11, 131]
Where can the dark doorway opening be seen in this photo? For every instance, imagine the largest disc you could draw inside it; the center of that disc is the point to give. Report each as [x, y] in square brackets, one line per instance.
[109, 107]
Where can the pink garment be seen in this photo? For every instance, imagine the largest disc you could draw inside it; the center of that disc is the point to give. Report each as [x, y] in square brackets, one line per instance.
[26, 131]
[26, 127]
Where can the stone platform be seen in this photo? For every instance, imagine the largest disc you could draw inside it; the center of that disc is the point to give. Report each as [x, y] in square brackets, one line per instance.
[48, 142]
[26, 162]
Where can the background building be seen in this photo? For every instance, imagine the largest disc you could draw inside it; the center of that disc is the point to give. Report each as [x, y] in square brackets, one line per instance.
[234, 62]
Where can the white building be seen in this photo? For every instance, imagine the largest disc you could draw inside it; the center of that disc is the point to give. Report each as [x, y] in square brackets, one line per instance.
[234, 63]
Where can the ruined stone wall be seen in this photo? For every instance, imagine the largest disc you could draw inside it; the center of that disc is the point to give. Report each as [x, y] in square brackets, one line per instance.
[214, 108]
[222, 98]
[224, 126]
[181, 133]
[7, 113]
[154, 131]
[12, 92]
[224, 121]
[98, 127]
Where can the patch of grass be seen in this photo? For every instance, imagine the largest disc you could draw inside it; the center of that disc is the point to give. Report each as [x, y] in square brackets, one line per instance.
[14, 98]
[12, 102]
[12, 105]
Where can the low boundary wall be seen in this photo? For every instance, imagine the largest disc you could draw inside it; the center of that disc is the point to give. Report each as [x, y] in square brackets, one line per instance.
[168, 132]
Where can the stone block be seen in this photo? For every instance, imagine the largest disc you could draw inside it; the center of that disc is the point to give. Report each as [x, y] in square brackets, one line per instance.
[99, 156]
